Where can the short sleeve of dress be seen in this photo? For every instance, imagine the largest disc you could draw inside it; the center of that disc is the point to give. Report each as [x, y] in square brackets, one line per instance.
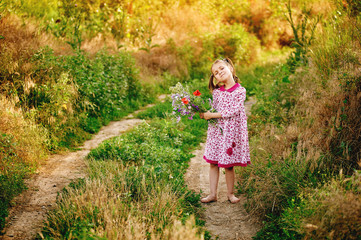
[235, 107]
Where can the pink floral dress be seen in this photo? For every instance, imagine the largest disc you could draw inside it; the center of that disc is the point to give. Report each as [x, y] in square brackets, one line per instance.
[229, 147]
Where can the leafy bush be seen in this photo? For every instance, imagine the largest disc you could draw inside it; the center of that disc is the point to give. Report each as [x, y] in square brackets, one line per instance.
[73, 96]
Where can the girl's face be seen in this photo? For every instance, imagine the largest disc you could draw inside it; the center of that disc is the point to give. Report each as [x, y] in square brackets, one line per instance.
[222, 72]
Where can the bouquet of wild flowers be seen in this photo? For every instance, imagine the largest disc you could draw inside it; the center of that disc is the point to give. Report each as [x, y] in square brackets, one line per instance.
[188, 104]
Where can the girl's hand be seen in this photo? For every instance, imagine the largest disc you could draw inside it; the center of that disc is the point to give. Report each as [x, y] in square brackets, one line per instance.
[207, 115]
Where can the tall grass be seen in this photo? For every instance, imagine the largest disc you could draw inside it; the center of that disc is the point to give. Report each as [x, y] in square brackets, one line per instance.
[303, 140]
[103, 206]
[22, 149]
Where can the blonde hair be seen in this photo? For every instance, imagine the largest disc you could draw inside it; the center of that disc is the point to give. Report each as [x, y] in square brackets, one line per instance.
[227, 61]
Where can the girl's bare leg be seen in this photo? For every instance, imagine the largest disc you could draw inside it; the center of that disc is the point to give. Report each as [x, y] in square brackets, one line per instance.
[213, 183]
[230, 185]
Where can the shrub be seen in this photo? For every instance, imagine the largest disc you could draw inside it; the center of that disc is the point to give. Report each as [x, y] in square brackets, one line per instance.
[73, 96]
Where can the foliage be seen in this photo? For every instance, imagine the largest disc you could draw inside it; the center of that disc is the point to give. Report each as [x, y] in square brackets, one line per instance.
[296, 149]
[231, 41]
[276, 98]
[303, 33]
[73, 96]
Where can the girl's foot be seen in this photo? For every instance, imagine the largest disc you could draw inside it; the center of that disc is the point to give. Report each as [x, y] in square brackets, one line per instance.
[209, 199]
[233, 199]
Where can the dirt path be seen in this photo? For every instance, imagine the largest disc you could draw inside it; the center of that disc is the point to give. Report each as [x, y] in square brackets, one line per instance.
[25, 219]
[223, 219]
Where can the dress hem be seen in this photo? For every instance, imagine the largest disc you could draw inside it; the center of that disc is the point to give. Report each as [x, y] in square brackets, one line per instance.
[227, 165]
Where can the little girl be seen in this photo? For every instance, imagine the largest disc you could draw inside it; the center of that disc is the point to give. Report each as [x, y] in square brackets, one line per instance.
[228, 147]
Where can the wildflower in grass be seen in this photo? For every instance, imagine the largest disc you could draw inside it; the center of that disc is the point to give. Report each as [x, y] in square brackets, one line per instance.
[185, 101]
[197, 93]
[186, 104]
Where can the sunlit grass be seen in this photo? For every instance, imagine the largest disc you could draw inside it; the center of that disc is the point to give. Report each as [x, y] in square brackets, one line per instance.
[135, 187]
[102, 206]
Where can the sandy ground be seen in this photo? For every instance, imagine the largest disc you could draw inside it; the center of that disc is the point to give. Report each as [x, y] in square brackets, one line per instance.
[224, 220]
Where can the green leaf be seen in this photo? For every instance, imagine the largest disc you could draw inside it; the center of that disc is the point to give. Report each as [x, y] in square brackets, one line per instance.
[145, 49]
[285, 79]
[2, 37]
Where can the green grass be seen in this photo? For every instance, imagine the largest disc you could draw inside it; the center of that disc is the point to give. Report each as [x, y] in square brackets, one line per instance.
[160, 110]
[142, 164]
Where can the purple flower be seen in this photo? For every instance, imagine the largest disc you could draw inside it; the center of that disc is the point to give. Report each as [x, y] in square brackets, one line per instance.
[190, 118]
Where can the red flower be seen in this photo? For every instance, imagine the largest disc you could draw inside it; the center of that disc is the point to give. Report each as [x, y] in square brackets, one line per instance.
[185, 101]
[229, 151]
[233, 144]
[197, 93]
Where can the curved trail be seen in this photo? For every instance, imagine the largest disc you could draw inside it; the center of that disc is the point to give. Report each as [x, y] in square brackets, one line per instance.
[223, 219]
[25, 219]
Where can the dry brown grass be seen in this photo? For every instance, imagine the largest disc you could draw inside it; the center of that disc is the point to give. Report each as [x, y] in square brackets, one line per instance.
[31, 138]
[23, 37]
[159, 60]
[336, 210]
[113, 215]
[16, 49]
[182, 24]
[331, 106]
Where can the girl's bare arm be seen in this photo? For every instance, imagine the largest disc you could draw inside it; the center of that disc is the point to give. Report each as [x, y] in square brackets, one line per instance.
[208, 115]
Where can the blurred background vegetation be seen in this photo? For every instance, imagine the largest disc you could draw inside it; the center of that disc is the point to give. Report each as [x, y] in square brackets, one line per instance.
[70, 67]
